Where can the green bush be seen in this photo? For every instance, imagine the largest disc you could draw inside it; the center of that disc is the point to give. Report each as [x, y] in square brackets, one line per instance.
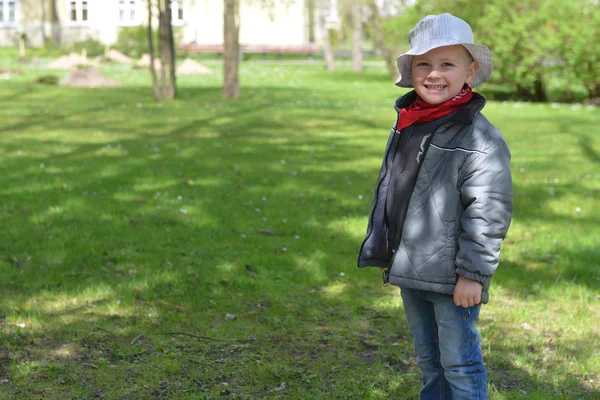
[537, 56]
[133, 40]
[395, 32]
[93, 47]
[50, 49]
[47, 80]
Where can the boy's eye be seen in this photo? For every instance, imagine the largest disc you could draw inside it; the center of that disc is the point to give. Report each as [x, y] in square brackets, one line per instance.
[447, 64]
[422, 64]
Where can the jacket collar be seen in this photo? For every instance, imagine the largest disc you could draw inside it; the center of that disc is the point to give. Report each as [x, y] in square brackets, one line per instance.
[465, 115]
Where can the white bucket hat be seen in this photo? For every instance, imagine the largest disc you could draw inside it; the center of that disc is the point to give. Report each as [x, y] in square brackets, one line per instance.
[443, 30]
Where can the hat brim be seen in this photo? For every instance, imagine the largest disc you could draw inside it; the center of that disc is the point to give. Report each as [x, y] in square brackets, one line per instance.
[479, 52]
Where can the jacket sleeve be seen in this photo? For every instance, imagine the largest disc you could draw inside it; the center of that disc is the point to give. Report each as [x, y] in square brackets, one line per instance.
[374, 249]
[487, 198]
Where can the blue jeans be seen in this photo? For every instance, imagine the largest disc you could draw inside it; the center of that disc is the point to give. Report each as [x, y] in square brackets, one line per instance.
[447, 344]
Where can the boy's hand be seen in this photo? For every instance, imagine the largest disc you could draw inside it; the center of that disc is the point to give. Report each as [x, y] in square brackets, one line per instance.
[467, 292]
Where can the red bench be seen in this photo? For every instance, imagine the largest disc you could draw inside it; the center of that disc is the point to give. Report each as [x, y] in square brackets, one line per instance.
[309, 49]
[197, 48]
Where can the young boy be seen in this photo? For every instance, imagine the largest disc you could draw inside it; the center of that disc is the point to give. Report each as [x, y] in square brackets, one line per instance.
[443, 204]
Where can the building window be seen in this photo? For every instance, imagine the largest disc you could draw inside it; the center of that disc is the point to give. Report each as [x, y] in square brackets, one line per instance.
[8, 12]
[78, 11]
[177, 12]
[128, 14]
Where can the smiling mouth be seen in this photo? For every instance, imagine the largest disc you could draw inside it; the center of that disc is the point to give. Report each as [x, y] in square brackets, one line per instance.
[435, 87]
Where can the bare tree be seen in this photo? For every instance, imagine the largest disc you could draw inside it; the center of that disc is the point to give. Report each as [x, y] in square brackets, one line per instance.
[378, 12]
[43, 28]
[165, 88]
[357, 35]
[56, 29]
[310, 8]
[20, 38]
[231, 49]
[328, 23]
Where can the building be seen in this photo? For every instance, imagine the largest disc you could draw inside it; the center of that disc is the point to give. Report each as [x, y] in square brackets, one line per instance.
[200, 21]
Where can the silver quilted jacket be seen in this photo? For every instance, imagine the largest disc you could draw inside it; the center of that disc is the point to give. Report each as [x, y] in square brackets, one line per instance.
[458, 214]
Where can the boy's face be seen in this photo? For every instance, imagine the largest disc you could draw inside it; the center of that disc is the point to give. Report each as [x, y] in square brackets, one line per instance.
[440, 74]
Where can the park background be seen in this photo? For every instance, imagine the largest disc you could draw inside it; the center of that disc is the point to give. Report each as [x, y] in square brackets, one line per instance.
[205, 248]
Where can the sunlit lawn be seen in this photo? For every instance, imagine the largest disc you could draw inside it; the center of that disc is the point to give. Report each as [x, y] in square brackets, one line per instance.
[204, 249]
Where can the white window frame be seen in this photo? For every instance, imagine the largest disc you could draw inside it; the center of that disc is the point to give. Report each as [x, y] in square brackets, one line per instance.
[79, 7]
[6, 12]
[126, 7]
[176, 6]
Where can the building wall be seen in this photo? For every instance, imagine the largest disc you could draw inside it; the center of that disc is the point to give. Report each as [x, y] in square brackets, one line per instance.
[102, 22]
[284, 23]
[101, 25]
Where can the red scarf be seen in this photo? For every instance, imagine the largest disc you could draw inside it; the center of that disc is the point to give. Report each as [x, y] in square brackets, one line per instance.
[420, 111]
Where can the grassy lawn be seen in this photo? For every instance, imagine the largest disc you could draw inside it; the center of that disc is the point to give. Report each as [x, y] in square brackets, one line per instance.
[207, 249]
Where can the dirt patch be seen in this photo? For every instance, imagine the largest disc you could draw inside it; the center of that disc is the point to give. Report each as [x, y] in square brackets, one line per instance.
[118, 57]
[7, 73]
[144, 62]
[189, 66]
[367, 357]
[594, 101]
[88, 77]
[69, 62]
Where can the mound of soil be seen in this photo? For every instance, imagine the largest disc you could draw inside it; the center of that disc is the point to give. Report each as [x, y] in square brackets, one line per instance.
[7, 73]
[189, 66]
[117, 56]
[68, 62]
[88, 77]
[144, 62]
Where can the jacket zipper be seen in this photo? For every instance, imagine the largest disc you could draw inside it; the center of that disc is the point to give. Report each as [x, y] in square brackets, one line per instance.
[386, 272]
[395, 132]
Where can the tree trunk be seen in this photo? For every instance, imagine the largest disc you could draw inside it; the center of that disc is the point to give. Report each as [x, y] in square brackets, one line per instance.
[151, 52]
[534, 92]
[539, 90]
[56, 29]
[22, 53]
[357, 36]
[592, 85]
[165, 89]
[389, 54]
[231, 49]
[328, 52]
[166, 46]
[43, 27]
[376, 26]
[327, 32]
[594, 92]
[310, 8]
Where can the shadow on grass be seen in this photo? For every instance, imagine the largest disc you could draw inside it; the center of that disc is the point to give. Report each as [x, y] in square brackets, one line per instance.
[588, 150]
[236, 221]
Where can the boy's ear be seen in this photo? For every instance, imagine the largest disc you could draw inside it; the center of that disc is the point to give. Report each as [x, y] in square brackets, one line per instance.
[471, 72]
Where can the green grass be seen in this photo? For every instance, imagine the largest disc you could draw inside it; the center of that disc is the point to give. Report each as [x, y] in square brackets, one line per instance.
[205, 249]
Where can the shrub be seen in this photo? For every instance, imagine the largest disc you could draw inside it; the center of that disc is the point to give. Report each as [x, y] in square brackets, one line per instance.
[92, 47]
[47, 80]
[537, 55]
[395, 30]
[133, 41]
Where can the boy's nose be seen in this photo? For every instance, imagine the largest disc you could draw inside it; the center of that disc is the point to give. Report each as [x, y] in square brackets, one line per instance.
[434, 74]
